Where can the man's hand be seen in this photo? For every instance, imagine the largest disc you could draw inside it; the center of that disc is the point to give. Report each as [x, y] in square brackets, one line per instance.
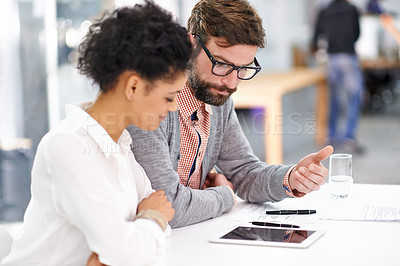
[158, 201]
[94, 260]
[309, 173]
[215, 180]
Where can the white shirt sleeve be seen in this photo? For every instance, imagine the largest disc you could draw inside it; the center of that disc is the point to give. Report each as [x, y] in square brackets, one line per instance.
[86, 197]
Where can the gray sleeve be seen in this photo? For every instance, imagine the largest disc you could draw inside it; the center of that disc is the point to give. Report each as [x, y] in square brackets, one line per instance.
[253, 180]
[153, 152]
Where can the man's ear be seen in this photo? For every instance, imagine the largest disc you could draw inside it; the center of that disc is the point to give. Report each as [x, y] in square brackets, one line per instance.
[192, 39]
[131, 86]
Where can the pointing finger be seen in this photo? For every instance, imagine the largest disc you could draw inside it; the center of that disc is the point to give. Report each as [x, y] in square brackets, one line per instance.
[323, 154]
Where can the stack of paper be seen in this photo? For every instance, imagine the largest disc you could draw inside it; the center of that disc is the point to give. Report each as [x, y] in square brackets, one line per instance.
[354, 211]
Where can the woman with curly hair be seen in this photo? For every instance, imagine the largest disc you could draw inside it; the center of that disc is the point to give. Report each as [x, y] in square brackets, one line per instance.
[89, 194]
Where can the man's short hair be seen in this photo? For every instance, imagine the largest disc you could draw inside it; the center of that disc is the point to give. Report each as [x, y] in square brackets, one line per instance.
[235, 20]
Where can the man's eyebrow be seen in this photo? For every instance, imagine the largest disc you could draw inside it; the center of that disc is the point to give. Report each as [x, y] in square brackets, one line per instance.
[229, 62]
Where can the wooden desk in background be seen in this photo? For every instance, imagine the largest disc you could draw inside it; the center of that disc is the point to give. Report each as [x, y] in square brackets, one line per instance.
[267, 90]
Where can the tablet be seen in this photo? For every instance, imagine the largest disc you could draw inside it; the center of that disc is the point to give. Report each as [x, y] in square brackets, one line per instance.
[268, 236]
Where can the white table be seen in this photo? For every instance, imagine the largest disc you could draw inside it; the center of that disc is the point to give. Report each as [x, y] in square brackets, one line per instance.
[344, 242]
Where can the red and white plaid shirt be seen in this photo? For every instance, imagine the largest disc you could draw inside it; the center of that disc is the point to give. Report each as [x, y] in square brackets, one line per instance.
[190, 131]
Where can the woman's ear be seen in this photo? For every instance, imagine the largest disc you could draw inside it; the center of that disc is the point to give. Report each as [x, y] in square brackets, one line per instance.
[131, 86]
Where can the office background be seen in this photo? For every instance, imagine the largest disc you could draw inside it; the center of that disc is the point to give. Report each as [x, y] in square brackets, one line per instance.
[38, 44]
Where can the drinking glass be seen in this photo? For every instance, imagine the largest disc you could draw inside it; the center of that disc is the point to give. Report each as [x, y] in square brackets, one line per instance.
[340, 175]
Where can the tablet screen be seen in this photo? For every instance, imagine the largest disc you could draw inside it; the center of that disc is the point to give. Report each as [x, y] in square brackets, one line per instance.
[268, 234]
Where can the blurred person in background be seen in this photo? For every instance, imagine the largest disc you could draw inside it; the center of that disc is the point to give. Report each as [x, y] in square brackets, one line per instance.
[373, 7]
[88, 191]
[338, 24]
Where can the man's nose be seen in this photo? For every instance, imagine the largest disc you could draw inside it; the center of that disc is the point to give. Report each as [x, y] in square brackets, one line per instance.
[231, 80]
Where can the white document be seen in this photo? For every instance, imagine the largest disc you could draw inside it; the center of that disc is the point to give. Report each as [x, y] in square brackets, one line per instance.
[353, 211]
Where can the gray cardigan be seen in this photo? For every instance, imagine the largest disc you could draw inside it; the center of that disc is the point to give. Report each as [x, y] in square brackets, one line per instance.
[228, 149]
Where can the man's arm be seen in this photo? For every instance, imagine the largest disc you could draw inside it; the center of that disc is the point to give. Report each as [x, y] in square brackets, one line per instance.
[158, 152]
[257, 181]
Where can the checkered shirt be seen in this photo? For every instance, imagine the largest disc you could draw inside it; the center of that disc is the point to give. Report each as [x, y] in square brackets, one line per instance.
[190, 131]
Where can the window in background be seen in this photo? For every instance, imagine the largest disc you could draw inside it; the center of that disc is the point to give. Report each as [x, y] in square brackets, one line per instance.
[24, 22]
[32, 62]
[73, 21]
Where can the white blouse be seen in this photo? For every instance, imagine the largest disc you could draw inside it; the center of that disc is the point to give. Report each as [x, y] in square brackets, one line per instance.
[85, 191]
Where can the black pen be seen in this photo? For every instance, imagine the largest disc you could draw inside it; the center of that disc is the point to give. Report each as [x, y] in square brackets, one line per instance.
[275, 225]
[289, 212]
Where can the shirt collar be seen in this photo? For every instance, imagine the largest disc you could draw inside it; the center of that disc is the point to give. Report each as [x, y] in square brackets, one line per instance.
[188, 103]
[77, 113]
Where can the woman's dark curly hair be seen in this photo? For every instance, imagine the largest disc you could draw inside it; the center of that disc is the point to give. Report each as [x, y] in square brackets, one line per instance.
[144, 39]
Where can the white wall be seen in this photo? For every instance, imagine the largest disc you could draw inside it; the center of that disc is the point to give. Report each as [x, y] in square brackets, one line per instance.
[276, 24]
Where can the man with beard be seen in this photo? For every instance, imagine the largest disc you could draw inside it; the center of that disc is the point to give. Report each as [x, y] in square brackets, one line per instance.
[205, 133]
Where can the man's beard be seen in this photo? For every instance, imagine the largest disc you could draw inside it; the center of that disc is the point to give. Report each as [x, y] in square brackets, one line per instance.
[201, 90]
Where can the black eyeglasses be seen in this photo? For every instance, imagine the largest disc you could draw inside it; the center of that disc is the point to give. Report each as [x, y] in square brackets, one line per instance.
[223, 69]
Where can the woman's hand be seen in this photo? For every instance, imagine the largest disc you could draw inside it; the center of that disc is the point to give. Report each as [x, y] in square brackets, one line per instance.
[158, 201]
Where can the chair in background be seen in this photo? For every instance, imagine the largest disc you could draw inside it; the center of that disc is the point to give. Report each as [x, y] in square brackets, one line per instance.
[5, 242]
